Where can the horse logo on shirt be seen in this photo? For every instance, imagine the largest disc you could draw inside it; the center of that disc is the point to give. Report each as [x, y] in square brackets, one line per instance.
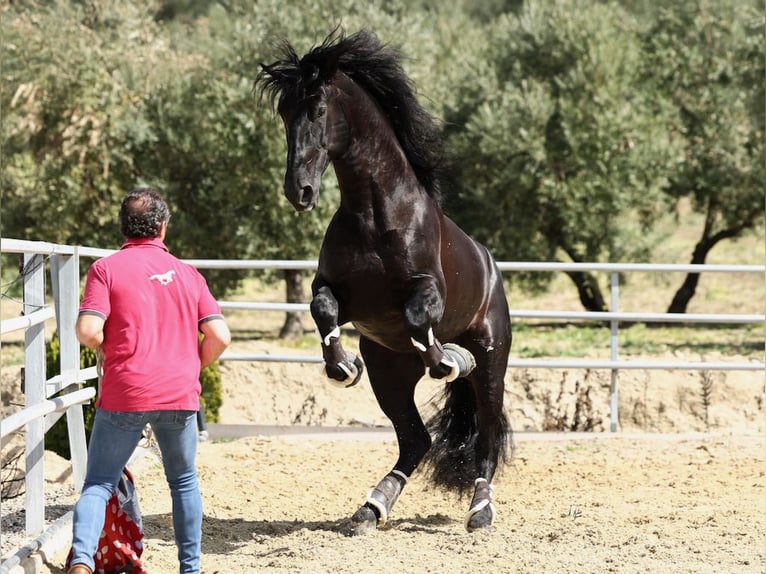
[164, 278]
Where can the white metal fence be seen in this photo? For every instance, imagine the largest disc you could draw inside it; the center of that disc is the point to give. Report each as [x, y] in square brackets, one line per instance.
[614, 317]
[41, 412]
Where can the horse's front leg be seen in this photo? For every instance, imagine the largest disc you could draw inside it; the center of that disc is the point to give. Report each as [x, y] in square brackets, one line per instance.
[422, 310]
[342, 369]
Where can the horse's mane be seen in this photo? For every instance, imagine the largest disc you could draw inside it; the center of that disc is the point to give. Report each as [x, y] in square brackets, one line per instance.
[378, 69]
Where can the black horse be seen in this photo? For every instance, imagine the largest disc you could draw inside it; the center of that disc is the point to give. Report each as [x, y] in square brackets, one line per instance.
[425, 297]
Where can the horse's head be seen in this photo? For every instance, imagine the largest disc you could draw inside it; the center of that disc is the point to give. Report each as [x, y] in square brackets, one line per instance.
[345, 87]
[314, 124]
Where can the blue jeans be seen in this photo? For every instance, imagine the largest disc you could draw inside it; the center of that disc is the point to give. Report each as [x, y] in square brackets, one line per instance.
[113, 439]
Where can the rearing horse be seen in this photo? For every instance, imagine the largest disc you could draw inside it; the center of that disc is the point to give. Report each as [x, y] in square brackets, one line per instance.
[425, 297]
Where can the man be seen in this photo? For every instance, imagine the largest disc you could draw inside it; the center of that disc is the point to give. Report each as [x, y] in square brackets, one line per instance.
[144, 309]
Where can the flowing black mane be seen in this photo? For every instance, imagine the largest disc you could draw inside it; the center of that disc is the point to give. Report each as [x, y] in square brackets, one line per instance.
[378, 69]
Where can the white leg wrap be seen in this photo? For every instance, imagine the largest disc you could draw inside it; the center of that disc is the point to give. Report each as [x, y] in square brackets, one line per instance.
[380, 507]
[420, 346]
[454, 369]
[350, 376]
[334, 334]
[401, 475]
[451, 376]
[475, 509]
[383, 496]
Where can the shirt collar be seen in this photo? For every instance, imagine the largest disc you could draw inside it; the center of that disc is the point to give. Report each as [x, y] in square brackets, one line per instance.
[144, 242]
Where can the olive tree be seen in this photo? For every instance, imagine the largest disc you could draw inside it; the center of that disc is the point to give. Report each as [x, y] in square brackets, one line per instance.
[707, 58]
[555, 138]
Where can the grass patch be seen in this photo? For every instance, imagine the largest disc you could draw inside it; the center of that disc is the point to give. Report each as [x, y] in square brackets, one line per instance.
[578, 340]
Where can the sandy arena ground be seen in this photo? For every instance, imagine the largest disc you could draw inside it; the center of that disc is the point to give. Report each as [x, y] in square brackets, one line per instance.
[672, 493]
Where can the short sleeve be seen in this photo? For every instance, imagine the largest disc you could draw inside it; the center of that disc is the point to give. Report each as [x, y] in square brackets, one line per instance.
[207, 308]
[96, 297]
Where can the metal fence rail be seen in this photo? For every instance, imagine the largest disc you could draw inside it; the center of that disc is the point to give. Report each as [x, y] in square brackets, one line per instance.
[613, 317]
[40, 411]
[64, 269]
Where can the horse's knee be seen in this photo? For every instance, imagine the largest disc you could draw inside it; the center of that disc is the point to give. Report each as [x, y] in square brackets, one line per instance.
[324, 310]
[422, 310]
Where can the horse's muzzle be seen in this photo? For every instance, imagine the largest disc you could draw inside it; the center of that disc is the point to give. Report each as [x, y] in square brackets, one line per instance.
[302, 198]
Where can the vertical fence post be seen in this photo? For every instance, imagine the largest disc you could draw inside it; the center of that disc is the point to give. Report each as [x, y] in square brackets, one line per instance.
[34, 393]
[65, 276]
[614, 355]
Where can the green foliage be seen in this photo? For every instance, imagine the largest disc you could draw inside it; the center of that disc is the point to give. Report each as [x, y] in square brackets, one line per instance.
[57, 437]
[212, 392]
[555, 139]
[707, 59]
[73, 106]
[576, 123]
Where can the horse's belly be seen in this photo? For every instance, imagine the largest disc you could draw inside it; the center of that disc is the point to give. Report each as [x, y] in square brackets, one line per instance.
[377, 316]
[390, 334]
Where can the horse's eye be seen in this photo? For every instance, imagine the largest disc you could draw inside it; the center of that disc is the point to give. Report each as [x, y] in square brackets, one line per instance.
[320, 111]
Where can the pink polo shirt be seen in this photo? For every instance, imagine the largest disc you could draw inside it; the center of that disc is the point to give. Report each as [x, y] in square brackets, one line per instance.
[152, 304]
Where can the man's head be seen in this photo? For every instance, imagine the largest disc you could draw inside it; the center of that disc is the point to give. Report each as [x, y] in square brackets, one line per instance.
[143, 213]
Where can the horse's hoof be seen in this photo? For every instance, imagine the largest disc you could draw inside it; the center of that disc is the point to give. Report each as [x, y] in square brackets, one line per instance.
[364, 521]
[456, 363]
[481, 513]
[346, 374]
[464, 359]
[482, 520]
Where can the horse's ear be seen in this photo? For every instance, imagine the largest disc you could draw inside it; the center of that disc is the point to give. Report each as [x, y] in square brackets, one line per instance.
[276, 72]
[273, 79]
[283, 70]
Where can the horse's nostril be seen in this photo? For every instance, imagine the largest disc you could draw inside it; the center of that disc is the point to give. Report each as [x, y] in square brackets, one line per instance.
[307, 195]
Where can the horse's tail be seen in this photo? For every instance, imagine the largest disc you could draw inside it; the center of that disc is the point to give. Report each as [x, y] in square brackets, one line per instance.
[452, 462]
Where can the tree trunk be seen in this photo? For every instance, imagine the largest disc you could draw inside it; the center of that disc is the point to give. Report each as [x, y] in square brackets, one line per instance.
[589, 291]
[293, 327]
[689, 286]
[587, 286]
[704, 245]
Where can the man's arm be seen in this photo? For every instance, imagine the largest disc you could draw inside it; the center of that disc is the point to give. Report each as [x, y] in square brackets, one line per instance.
[90, 330]
[216, 337]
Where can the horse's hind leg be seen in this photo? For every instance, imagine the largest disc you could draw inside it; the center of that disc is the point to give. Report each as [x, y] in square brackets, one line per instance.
[492, 441]
[342, 368]
[393, 377]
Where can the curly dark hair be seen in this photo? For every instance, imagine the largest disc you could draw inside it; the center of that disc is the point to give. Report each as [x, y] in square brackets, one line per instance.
[142, 213]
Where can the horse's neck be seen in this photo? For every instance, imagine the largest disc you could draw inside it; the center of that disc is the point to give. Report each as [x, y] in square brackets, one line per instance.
[376, 184]
[374, 175]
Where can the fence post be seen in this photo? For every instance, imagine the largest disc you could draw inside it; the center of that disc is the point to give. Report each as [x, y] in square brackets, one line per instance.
[65, 277]
[614, 355]
[34, 393]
